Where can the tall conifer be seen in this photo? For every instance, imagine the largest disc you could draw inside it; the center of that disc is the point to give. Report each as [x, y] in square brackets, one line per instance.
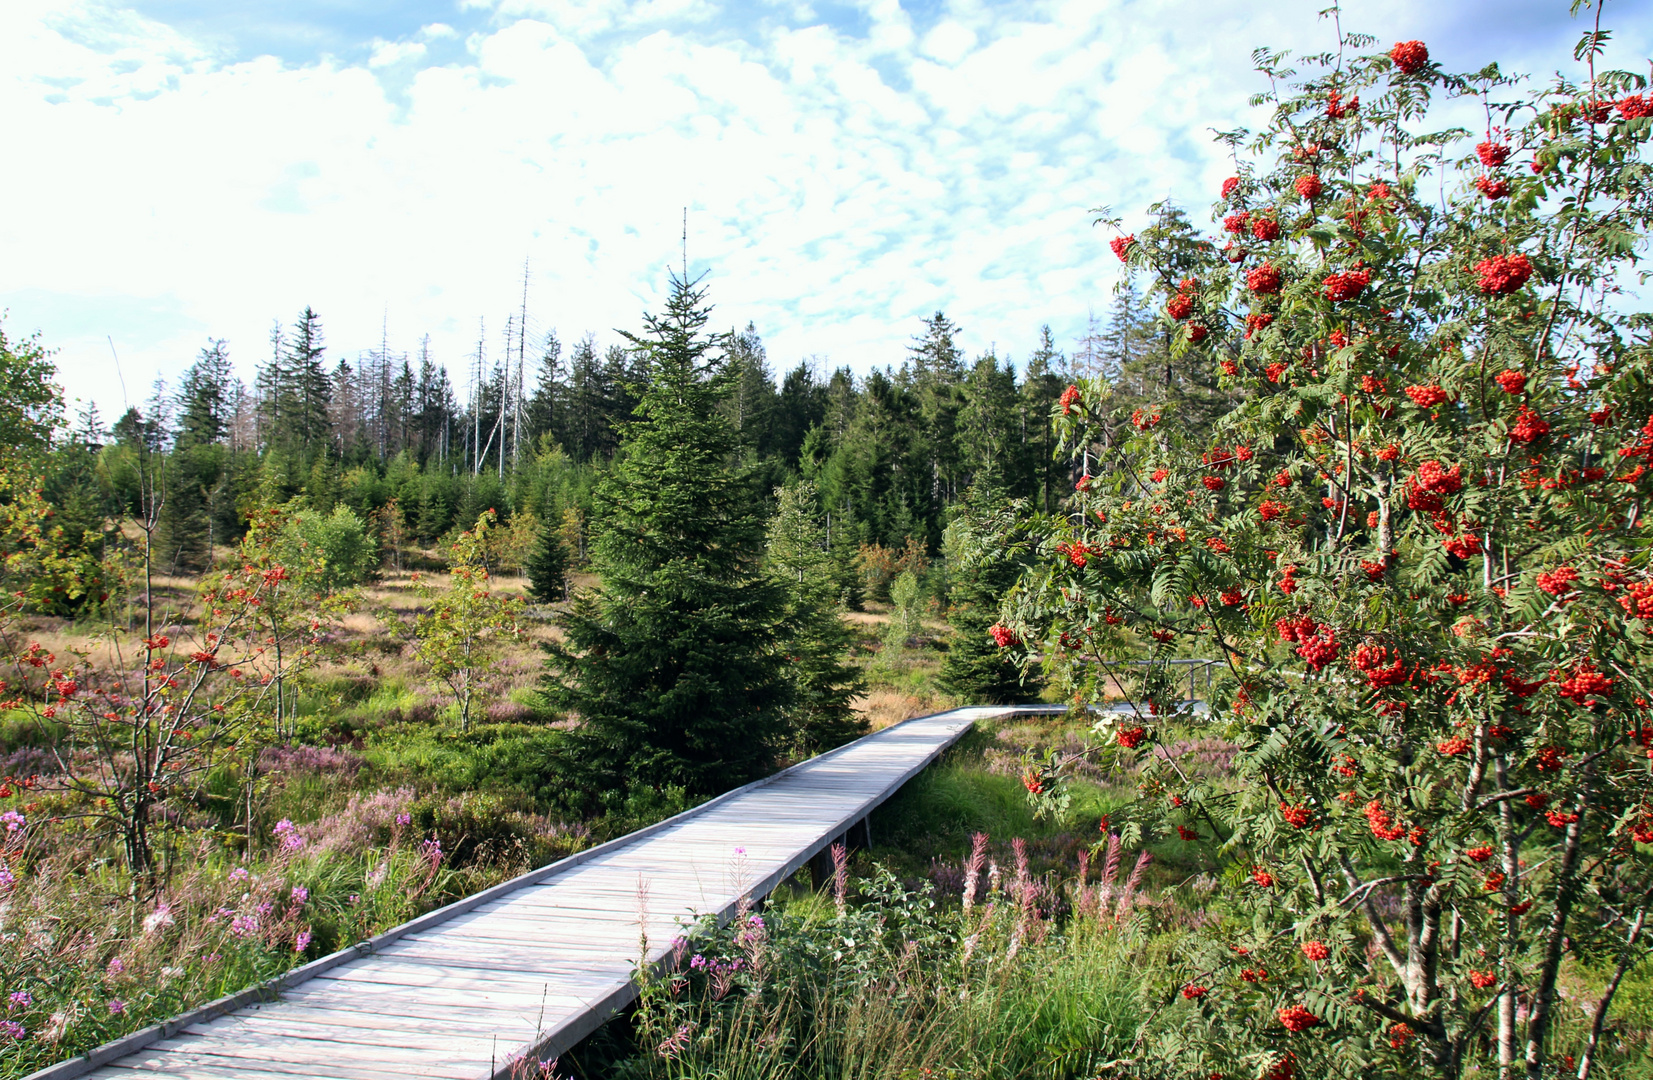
[984, 543]
[823, 680]
[676, 666]
[547, 564]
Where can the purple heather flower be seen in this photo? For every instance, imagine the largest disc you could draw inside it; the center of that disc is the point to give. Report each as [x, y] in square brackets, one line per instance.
[13, 821]
[239, 874]
[302, 941]
[404, 819]
[300, 894]
[11, 1029]
[20, 999]
[116, 966]
[116, 1006]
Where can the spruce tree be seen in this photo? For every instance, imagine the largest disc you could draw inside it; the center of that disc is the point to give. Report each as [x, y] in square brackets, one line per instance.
[548, 563]
[823, 681]
[981, 545]
[676, 666]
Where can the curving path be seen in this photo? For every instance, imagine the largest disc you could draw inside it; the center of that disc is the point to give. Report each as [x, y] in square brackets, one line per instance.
[530, 967]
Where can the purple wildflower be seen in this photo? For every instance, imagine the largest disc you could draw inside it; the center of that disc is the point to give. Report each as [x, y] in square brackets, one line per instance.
[11, 1029]
[301, 941]
[239, 874]
[20, 999]
[291, 838]
[116, 966]
[116, 1006]
[300, 894]
[13, 821]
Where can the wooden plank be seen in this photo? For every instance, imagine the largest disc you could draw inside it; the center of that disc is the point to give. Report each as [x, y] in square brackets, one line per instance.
[450, 978]
[204, 1066]
[480, 1009]
[342, 1043]
[219, 1067]
[259, 1050]
[403, 1027]
[411, 1001]
[519, 962]
[434, 977]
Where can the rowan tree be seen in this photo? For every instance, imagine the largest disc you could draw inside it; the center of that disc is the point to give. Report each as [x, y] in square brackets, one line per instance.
[460, 636]
[1418, 545]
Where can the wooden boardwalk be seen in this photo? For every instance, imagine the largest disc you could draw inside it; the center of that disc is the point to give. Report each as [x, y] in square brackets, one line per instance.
[527, 969]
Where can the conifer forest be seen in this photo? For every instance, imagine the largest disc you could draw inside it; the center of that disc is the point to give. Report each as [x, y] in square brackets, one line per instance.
[1322, 547]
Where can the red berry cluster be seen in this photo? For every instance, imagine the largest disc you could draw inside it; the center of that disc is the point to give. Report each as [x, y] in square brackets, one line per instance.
[1264, 280]
[1558, 582]
[1382, 825]
[1373, 661]
[1345, 286]
[1492, 154]
[1427, 396]
[1529, 426]
[1584, 682]
[1503, 274]
[1493, 187]
[1409, 56]
[1296, 1018]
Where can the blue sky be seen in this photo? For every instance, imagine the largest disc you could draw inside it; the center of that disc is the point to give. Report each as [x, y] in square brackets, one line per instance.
[181, 169]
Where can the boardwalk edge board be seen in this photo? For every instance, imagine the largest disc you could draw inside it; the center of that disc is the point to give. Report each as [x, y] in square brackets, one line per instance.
[571, 1032]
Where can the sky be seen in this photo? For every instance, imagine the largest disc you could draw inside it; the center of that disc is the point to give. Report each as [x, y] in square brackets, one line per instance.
[180, 170]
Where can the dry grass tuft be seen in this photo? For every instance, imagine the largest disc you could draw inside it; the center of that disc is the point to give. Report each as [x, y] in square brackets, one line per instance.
[883, 707]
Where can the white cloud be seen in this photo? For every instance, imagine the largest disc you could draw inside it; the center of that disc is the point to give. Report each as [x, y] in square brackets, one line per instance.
[841, 183]
[948, 42]
[386, 53]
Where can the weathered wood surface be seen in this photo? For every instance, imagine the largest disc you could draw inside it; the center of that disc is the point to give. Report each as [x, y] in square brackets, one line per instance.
[529, 968]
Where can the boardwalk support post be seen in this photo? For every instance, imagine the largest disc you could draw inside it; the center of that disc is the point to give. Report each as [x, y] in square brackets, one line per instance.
[820, 867]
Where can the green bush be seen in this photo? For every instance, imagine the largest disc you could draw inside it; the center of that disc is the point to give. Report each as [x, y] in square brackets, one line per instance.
[508, 759]
[334, 551]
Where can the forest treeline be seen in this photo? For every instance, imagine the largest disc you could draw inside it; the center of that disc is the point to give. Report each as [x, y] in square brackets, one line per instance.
[389, 436]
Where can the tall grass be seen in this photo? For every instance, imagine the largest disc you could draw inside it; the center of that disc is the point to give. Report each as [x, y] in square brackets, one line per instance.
[83, 960]
[891, 982]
